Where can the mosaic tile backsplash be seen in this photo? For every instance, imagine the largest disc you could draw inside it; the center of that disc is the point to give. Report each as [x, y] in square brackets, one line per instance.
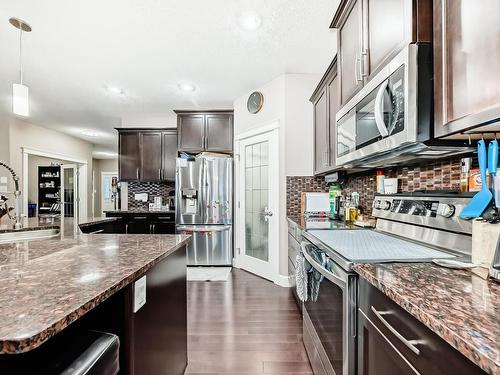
[152, 188]
[438, 175]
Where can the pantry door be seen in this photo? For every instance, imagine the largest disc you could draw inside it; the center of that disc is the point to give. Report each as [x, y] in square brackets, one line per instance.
[257, 234]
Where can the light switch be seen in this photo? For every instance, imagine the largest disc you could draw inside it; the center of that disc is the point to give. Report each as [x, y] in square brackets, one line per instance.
[3, 180]
[139, 293]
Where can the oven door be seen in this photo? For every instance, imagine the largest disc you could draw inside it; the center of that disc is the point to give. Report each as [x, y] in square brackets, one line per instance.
[382, 116]
[330, 318]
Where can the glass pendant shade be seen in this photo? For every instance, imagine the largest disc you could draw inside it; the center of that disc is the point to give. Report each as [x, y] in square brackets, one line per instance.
[20, 100]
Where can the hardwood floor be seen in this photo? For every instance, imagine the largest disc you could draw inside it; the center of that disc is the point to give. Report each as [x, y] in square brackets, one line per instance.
[246, 326]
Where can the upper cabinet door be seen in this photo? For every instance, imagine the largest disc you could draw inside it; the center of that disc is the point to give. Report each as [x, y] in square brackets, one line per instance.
[191, 135]
[333, 106]
[388, 29]
[321, 132]
[350, 52]
[151, 156]
[219, 132]
[130, 156]
[466, 64]
[169, 154]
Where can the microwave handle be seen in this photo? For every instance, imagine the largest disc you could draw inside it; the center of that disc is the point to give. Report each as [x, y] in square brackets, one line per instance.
[379, 109]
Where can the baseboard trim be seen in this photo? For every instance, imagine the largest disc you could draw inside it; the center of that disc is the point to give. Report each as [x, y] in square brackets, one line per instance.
[284, 281]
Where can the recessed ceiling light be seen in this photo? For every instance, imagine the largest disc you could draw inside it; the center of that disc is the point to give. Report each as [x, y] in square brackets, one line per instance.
[114, 90]
[186, 87]
[250, 21]
[90, 133]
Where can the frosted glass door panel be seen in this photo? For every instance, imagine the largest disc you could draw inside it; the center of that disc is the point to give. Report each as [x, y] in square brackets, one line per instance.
[256, 200]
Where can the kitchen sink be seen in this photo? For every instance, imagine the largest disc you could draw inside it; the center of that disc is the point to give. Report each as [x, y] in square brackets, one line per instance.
[28, 235]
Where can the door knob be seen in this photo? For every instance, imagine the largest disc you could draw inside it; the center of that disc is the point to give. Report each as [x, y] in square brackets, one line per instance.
[267, 213]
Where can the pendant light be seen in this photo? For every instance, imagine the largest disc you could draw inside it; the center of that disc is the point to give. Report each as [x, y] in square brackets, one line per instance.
[20, 92]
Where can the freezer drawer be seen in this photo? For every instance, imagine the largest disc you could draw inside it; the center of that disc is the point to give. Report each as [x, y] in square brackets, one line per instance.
[211, 245]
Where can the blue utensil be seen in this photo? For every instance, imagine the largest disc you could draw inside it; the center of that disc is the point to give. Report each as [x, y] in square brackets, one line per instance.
[492, 168]
[482, 199]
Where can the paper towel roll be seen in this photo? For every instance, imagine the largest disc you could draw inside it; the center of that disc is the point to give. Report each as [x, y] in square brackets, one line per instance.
[484, 242]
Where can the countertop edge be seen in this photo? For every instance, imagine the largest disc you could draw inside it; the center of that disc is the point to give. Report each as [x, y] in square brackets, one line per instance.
[29, 343]
[468, 350]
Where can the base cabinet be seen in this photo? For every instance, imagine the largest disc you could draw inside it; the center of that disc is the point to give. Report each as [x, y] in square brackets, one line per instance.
[159, 328]
[391, 341]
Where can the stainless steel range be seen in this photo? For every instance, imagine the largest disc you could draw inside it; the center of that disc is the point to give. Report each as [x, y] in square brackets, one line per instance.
[414, 227]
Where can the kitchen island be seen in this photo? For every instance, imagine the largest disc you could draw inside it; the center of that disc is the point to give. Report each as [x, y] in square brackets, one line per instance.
[81, 281]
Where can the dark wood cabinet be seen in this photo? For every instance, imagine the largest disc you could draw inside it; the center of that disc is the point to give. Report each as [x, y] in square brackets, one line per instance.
[129, 155]
[147, 154]
[333, 94]
[160, 326]
[205, 131]
[391, 341]
[325, 101]
[371, 32]
[388, 30]
[466, 65]
[151, 159]
[350, 50]
[191, 129]
[321, 132]
[218, 132]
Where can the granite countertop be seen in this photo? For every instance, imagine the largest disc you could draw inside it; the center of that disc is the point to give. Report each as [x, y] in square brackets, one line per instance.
[136, 211]
[47, 284]
[457, 305]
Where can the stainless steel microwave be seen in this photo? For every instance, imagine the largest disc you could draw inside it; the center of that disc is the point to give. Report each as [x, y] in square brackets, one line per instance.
[390, 120]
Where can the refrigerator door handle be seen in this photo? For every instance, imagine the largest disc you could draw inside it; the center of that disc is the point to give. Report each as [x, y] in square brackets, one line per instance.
[204, 228]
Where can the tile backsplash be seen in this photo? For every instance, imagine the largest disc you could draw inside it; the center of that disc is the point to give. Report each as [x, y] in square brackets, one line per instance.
[152, 188]
[437, 175]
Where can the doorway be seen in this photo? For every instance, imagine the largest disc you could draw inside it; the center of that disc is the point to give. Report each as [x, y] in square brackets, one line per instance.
[109, 197]
[73, 183]
[257, 196]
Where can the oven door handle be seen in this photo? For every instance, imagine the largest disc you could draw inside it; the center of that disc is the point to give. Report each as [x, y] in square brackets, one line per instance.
[318, 267]
[379, 109]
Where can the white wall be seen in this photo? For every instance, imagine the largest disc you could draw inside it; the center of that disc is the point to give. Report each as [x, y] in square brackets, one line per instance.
[5, 152]
[272, 110]
[286, 100]
[150, 121]
[299, 135]
[24, 134]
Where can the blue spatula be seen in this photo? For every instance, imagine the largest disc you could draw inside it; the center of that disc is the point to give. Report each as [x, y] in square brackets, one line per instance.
[492, 168]
[482, 199]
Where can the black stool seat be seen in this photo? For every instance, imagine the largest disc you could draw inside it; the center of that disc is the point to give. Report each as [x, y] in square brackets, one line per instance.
[99, 356]
[84, 353]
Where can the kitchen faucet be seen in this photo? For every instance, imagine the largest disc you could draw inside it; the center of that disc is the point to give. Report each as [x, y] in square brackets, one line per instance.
[17, 195]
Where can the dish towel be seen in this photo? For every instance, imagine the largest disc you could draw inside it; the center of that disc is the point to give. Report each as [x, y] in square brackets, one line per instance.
[302, 267]
[314, 277]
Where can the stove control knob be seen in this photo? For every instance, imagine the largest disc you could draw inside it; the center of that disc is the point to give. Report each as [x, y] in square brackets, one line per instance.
[445, 210]
[385, 205]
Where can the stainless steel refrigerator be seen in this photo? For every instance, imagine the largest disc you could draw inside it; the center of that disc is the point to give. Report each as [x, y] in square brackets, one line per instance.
[204, 208]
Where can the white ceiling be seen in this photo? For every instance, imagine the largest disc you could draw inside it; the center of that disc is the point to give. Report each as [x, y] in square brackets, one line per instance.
[148, 47]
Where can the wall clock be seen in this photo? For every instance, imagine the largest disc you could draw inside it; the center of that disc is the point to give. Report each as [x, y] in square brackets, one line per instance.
[255, 102]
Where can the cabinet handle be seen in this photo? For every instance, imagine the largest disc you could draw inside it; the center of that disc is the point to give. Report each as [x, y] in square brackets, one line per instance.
[137, 172]
[362, 60]
[159, 174]
[409, 343]
[357, 69]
